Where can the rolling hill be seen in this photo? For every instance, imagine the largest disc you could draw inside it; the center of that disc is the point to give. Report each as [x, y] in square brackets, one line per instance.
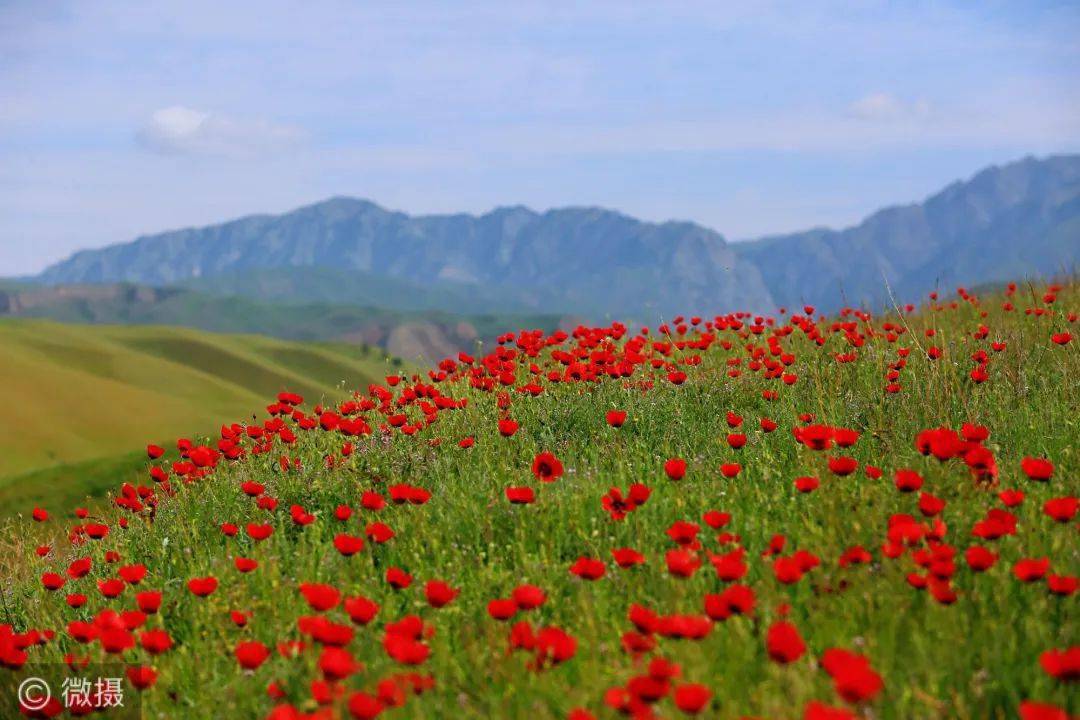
[1008, 222]
[82, 395]
[422, 336]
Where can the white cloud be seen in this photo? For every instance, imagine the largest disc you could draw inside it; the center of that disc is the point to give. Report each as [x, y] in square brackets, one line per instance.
[881, 106]
[179, 130]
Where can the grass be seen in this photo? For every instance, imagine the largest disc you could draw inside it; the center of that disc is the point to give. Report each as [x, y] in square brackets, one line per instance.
[95, 393]
[976, 659]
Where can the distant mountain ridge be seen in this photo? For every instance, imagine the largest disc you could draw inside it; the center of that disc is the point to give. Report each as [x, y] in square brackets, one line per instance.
[1020, 219]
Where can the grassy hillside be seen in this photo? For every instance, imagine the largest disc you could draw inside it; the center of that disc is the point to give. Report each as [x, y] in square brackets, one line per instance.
[426, 336]
[852, 518]
[82, 393]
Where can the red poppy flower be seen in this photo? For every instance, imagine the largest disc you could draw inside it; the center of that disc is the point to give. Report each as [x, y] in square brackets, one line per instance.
[1062, 509]
[843, 465]
[398, 578]
[251, 654]
[1063, 665]
[615, 418]
[588, 568]
[908, 480]
[783, 642]
[439, 594]
[520, 495]
[502, 609]
[1030, 570]
[546, 467]
[675, 468]
[1031, 710]
[202, 587]
[979, 558]
[734, 600]
[348, 545]
[360, 610]
[528, 597]
[1037, 468]
[692, 698]
[627, 557]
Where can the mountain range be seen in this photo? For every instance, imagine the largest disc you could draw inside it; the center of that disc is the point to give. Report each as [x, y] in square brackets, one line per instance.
[1005, 223]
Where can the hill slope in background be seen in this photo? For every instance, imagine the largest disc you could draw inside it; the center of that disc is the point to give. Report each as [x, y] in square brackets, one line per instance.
[1021, 219]
[423, 336]
[78, 393]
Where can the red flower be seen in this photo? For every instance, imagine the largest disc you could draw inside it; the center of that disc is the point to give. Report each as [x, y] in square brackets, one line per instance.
[439, 594]
[360, 610]
[734, 600]
[502, 609]
[1062, 509]
[546, 467]
[398, 578]
[202, 586]
[1063, 665]
[692, 698]
[675, 468]
[520, 495]
[615, 418]
[1031, 710]
[783, 642]
[320, 597]
[979, 558]
[508, 427]
[1030, 570]
[908, 480]
[730, 470]
[627, 557]
[588, 568]
[141, 676]
[528, 597]
[348, 545]
[930, 505]
[363, 706]
[251, 654]
[682, 563]
[1037, 468]
[843, 465]
[1063, 585]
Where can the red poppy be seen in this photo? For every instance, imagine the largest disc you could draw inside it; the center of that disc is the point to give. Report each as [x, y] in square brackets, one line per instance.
[202, 587]
[439, 594]
[1030, 570]
[615, 418]
[692, 698]
[1037, 468]
[675, 468]
[398, 578]
[251, 654]
[588, 568]
[1062, 509]
[546, 467]
[348, 545]
[520, 495]
[783, 642]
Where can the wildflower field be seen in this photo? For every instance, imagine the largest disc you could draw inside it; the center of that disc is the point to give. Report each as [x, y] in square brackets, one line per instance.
[730, 516]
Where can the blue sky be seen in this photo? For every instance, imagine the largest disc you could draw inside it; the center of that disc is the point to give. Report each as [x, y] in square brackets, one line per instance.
[121, 118]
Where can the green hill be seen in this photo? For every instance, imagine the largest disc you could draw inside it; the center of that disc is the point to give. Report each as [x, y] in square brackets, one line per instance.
[77, 395]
